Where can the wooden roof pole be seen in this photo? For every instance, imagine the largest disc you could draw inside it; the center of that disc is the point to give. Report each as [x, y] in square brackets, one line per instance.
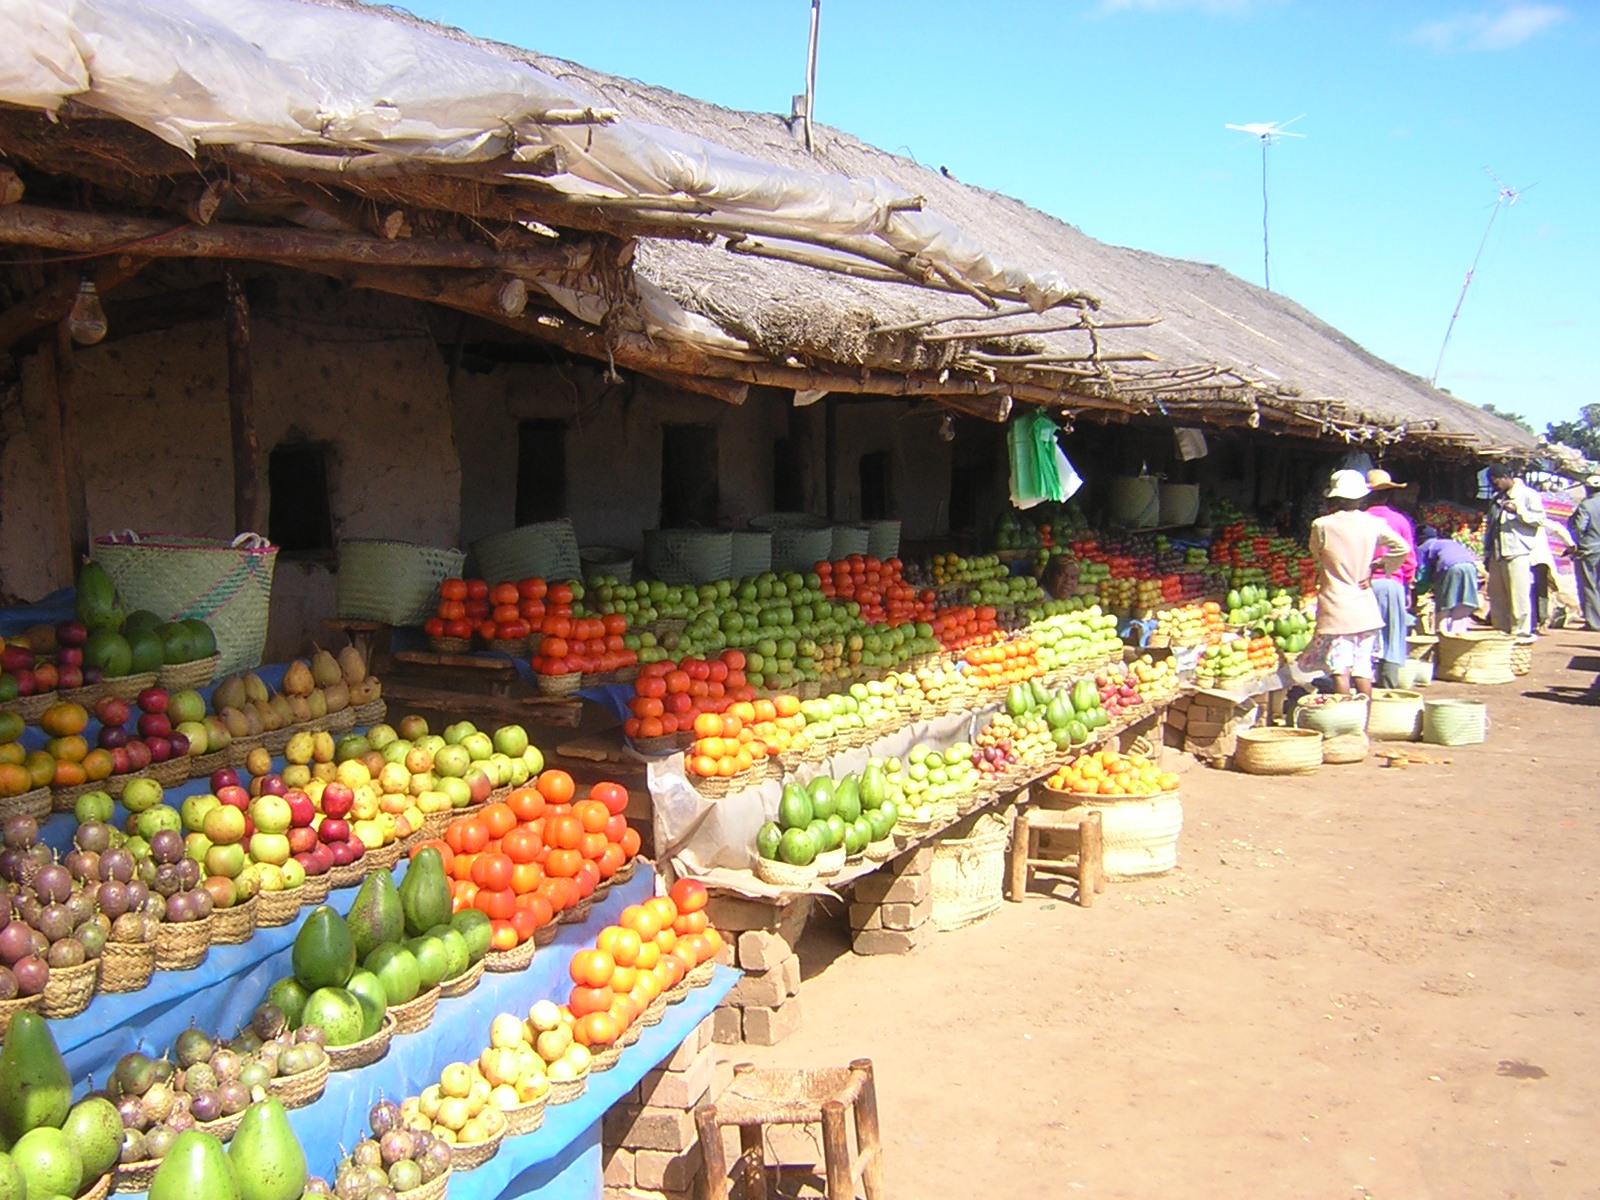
[247, 515]
[72, 505]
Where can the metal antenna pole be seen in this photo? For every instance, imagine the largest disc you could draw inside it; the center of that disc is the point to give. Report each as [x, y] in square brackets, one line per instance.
[1266, 260]
[1506, 198]
[811, 69]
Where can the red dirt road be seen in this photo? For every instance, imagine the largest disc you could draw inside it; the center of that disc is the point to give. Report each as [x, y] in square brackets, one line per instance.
[1362, 983]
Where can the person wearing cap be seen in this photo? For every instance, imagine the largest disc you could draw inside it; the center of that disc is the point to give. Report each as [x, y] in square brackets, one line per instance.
[1585, 526]
[1392, 588]
[1516, 515]
[1451, 571]
[1345, 545]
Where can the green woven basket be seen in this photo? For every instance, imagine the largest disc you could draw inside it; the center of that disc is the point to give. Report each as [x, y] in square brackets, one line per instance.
[608, 561]
[1454, 722]
[752, 552]
[883, 539]
[800, 549]
[848, 540]
[226, 584]
[684, 556]
[547, 550]
[393, 582]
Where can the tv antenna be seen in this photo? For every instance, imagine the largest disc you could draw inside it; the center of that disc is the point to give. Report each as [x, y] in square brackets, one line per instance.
[1505, 197]
[1268, 132]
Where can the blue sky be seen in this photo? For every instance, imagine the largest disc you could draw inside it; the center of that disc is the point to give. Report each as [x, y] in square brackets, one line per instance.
[1110, 113]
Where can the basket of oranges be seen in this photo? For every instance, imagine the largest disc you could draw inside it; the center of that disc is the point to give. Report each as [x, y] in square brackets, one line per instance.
[1141, 811]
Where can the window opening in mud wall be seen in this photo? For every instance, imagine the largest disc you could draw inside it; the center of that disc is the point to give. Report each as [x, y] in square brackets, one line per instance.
[541, 471]
[877, 496]
[688, 476]
[299, 517]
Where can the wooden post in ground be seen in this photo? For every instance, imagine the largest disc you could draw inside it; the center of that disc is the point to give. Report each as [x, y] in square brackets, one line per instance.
[241, 412]
[869, 1142]
[69, 457]
[1091, 859]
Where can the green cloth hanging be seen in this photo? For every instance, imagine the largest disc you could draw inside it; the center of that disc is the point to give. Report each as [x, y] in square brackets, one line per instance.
[1036, 460]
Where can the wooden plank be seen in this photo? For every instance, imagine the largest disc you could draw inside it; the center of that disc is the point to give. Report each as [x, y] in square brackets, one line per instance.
[247, 515]
[470, 662]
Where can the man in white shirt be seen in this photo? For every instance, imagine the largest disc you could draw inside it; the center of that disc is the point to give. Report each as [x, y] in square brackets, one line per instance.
[1516, 518]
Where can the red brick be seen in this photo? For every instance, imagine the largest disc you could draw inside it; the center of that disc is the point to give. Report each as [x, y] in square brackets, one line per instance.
[679, 1089]
[728, 1028]
[886, 941]
[769, 1026]
[618, 1164]
[669, 1172]
[649, 1128]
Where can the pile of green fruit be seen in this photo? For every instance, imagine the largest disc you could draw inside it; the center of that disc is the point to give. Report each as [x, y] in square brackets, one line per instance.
[1291, 632]
[929, 778]
[48, 1145]
[395, 944]
[120, 643]
[846, 814]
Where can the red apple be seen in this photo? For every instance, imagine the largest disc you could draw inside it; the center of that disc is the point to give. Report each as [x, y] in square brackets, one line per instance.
[180, 745]
[273, 785]
[71, 633]
[153, 700]
[311, 863]
[302, 840]
[138, 754]
[344, 853]
[111, 710]
[154, 724]
[337, 800]
[71, 676]
[333, 829]
[301, 810]
[227, 777]
[25, 681]
[111, 737]
[249, 825]
[121, 763]
[324, 856]
[70, 656]
[234, 796]
[160, 749]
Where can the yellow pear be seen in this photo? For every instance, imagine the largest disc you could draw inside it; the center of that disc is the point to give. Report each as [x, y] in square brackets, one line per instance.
[319, 704]
[300, 708]
[325, 668]
[298, 680]
[229, 694]
[233, 717]
[352, 666]
[255, 688]
[337, 696]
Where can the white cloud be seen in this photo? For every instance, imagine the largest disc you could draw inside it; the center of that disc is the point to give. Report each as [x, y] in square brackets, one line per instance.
[1491, 29]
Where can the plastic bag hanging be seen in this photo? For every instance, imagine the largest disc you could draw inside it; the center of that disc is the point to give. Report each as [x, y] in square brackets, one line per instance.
[1039, 471]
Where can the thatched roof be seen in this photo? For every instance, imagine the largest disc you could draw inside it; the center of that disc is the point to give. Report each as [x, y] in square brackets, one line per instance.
[681, 275]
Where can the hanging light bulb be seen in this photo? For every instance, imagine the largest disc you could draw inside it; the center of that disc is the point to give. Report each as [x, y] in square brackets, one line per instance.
[87, 320]
[947, 429]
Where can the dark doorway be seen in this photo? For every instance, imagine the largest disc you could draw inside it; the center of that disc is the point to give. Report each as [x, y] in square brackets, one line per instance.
[299, 519]
[688, 476]
[788, 480]
[877, 498]
[541, 471]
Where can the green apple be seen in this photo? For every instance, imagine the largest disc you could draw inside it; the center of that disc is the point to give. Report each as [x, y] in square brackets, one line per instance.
[273, 848]
[293, 873]
[271, 814]
[194, 810]
[380, 736]
[141, 794]
[199, 735]
[224, 824]
[153, 820]
[535, 760]
[452, 761]
[511, 740]
[478, 745]
[228, 861]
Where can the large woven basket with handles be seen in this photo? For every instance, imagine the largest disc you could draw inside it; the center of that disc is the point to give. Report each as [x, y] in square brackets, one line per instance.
[393, 582]
[548, 550]
[752, 552]
[688, 556]
[883, 539]
[225, 583]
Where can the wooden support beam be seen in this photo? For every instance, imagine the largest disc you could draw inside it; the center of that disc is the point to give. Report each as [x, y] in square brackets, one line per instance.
[69, 458]
[717, 389]
[87, 233]
[36, 315]
[247, 515]
[11, 186]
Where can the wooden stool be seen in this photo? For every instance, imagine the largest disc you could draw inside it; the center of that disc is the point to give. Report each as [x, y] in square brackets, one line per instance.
[756, 1099]
[1088, 869]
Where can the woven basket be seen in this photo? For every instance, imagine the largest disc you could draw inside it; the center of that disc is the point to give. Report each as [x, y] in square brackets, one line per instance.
[124, 687]
[469, 1156]
[222, 1128]
[273, 741]
[1345, 748]
[653, 1012]
[1454, 722]
[698, 977]
[796, 548]
[10, 1008]
[560, 685]
[883, 539]
[449, 645]
[366, 1051]
[417, 1014]
[370, 713]
[1139, 834]
[231, 926]
[315, 889]
[194, 674]
[678, 993]
[1521, 658]
[546, 934]
[504, 962]
[278, 908]
[99, 1189]
[968, 872]
[830, 862]
[548, 550]
[630, 1035]
[606, 1059]
[1335, 718]
[182, 946]
[847, 540]
[203, 766]
[297, 1091]
[525, 1118]
[568, 1090]
[348, 875]
[342, 721]
[69, 989]
[467, 980]
[654, 747]
[392, 582]
[434, 1189]
[1396, 716]
[688, 556]
[168, 774]
[36, 804]
[752, 552]
[1422, 647]
[134, 1176]
[126, 966]
[1278, 751]
[881, 850]
[513, 647]
[579, 912]
[625, 871]
[30, 708]
[1479, 657]
[611, 562]
[227, 584]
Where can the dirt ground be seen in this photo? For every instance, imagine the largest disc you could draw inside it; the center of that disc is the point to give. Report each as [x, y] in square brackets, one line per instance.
[1362, 983]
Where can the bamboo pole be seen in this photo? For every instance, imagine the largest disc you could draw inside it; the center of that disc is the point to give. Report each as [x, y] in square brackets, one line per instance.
[241, 412]
[87, 233]
[1074, 327]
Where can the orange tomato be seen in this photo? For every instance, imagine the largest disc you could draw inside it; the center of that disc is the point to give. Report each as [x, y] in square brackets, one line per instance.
[563, 832]
[494, 871]
[613, 795]
[689, 895]
[690, 923]
[641, 920]
[591, 968]
[496, 905]
[526, 877]
[556, 786]
[596, 1028]
[622, 944]
[521, 845]
[611, 860]
[593, 846]
[631, 842]
[498, 818]
[665, 910]
[592, 814]
[563, 863]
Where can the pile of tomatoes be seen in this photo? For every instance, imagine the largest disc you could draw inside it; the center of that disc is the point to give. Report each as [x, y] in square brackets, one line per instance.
[962, 626]
[878, 586]
[668, 696]
[650, 950]
[586, 645]
[750, 732]
[505, 612]
[523, 860]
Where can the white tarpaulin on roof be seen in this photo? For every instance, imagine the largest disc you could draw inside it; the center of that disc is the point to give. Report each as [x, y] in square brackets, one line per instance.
[281, 72]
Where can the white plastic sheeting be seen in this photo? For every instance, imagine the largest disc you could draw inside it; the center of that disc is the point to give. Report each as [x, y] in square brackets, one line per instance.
[281, 72]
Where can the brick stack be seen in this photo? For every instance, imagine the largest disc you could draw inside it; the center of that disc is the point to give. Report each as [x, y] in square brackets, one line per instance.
[1206, 725]
[764, 1006]
[649, 1149]
[891, 909]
